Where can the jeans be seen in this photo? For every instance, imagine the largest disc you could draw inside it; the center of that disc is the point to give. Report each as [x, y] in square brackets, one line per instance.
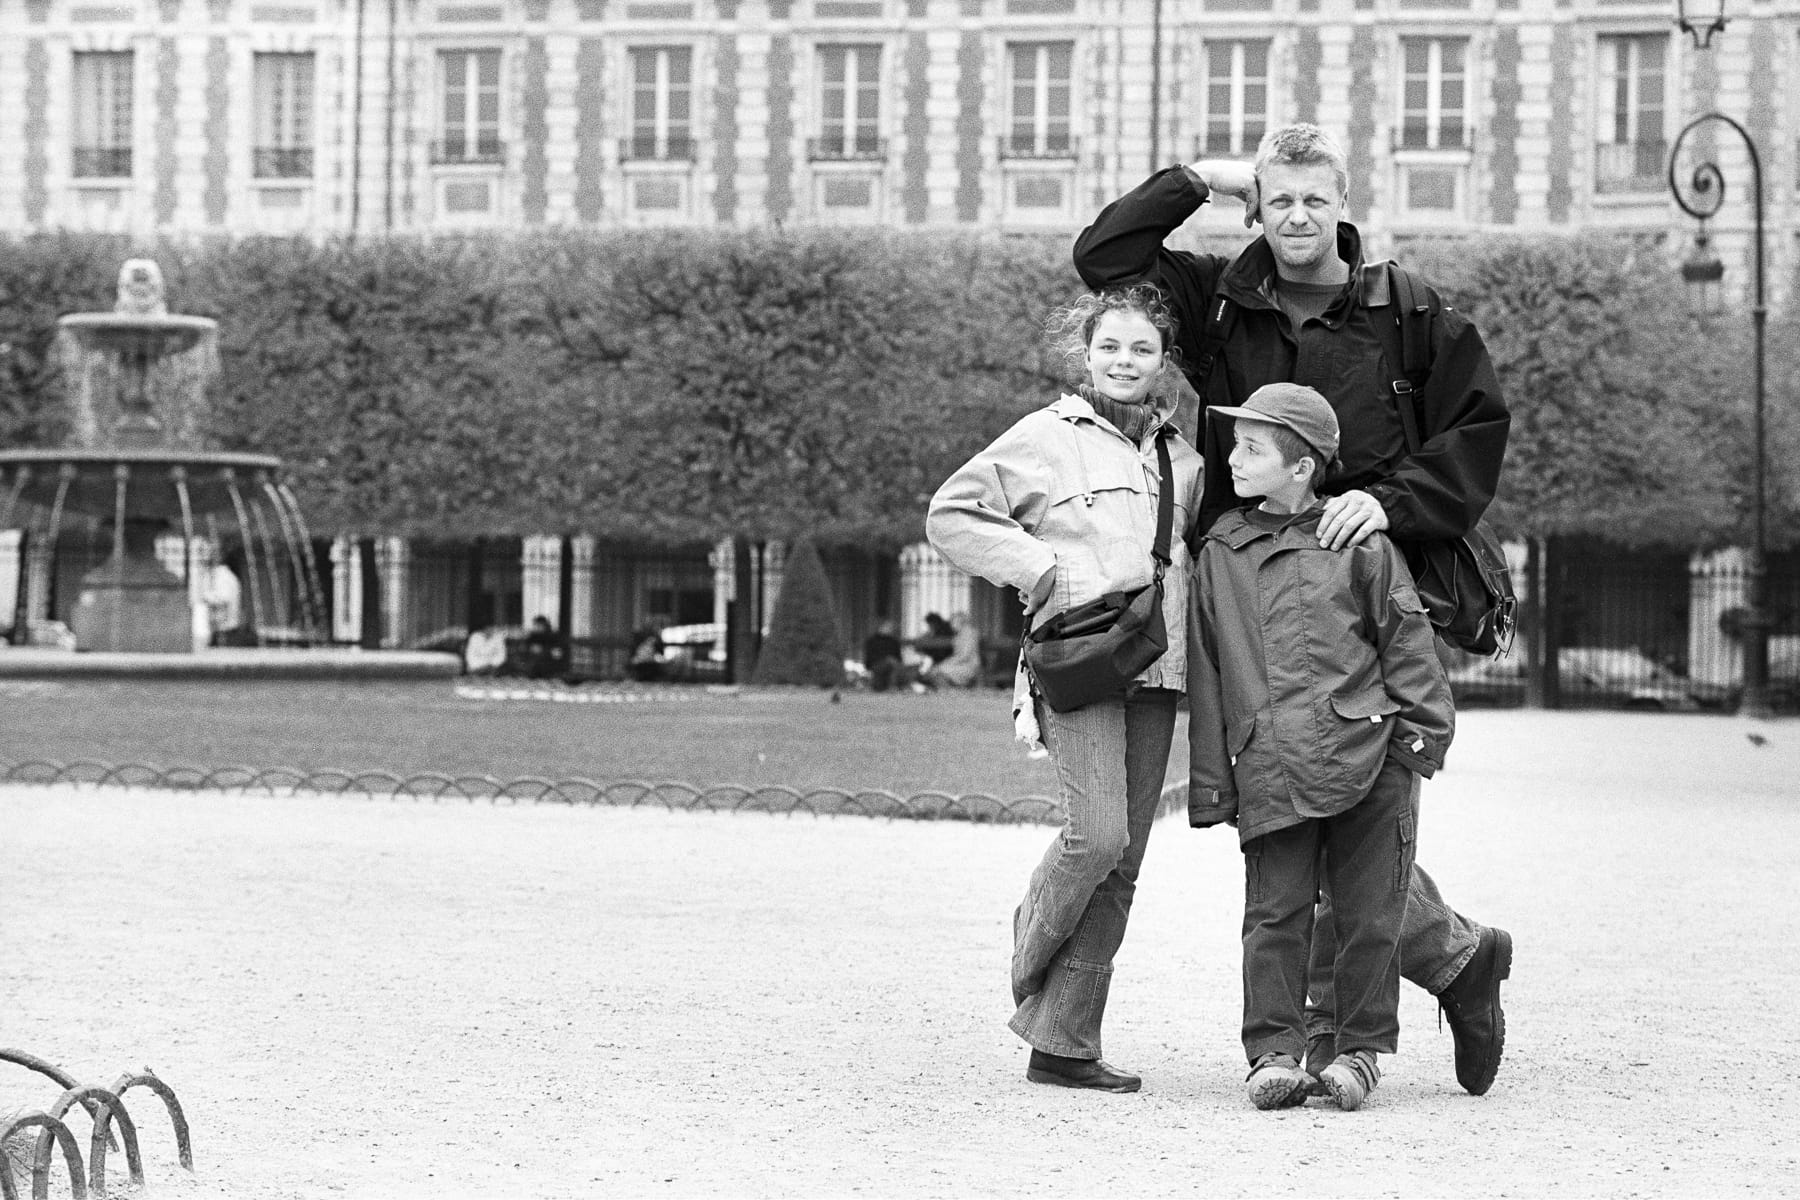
[1364, 856]
[1436, 943]
[1110, 759]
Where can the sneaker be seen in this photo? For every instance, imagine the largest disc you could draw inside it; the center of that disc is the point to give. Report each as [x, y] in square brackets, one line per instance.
[1472, 1006]
[1321, 1052]
[1350, 1078]
[1276, 1081]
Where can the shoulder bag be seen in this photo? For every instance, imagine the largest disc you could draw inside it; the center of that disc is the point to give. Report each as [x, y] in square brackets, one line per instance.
[1464, 582]
[1098, 649]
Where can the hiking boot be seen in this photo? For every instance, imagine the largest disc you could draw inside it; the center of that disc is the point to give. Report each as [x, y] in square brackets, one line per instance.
[1321, 1052]
[1472, 1006]
[1350, 1078]
[1276, 1081]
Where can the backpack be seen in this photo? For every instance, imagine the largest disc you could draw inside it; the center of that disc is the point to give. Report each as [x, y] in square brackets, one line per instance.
[1465, 582]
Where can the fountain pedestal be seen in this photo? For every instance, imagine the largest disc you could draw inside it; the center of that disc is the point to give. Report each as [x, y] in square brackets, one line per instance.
[132, 602]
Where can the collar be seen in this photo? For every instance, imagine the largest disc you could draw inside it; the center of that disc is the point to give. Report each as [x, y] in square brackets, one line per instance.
[1071, 407]
[1250, 279]
[1298, 531]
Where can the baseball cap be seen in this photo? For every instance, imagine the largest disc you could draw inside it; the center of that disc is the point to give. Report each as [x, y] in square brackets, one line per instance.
[1296, 406]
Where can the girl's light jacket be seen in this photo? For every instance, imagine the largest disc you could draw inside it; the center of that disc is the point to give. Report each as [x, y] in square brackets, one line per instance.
[1063, 494]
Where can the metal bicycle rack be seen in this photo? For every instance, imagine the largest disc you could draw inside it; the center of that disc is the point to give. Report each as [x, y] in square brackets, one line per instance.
[107, 1108]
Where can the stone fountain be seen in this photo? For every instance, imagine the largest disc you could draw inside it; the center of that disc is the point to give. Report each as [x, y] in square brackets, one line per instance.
[141, 467]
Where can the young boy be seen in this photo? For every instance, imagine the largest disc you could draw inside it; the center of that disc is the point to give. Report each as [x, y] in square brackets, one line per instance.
[1317, 703]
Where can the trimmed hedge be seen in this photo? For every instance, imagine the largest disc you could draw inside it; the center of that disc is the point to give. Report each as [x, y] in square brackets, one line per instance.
[663, 386]
[806, 641]
[679, 386]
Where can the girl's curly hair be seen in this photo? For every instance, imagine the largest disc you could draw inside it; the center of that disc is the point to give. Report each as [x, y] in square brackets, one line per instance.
[1070, 328]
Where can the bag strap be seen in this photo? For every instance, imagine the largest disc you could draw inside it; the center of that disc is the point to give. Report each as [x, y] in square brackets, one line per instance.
[1414, 309]
[1165, 502]
[1221, 314]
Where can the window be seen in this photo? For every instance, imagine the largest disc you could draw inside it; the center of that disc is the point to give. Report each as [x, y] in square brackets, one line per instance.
[1629, 143]
[849, 102]
[471, 128]
[102, 147]
[1038, 122]
[284, 108]
[1237, 97]
[662, 103]
[1435, 93]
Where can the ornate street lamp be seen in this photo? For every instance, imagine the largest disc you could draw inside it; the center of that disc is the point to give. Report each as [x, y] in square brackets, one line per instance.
[1704, 195]
[1701, 24]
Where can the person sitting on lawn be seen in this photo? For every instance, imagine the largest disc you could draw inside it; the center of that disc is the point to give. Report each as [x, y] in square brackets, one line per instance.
[963, 667]
[646, 665]
[543, 650]
[485, 651]
[1317, 703]
[881, 655]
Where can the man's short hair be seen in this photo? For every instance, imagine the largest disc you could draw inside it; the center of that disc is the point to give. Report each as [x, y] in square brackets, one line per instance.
[1304, 145]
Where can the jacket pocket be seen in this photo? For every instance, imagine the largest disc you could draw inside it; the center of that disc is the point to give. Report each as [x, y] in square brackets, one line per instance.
[1359, 744]
[1369, 704]
[1405, 851]
[1238, 731]
[1406, 599]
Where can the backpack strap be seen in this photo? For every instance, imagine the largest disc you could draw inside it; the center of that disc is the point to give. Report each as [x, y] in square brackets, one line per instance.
[1190, 405]
[1221, 315]
[1407, 344]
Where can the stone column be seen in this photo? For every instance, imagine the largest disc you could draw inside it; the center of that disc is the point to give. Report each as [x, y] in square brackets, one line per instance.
[346, 592]
[928, 583]
[39, 560]
[541, 562]
[393, 557]
[1518, 563]
[581, 601]
[9, 578]
[721, 559]
[774, 570]
[197, 571]
[1717, 583]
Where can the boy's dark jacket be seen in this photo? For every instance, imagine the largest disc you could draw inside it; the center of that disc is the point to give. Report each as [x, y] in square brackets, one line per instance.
[1439, 492]
[1306, 668]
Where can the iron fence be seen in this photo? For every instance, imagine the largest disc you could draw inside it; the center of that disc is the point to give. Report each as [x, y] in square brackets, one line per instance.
[624, 793]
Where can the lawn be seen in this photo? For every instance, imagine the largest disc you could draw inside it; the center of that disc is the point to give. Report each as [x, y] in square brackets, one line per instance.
[958, 743]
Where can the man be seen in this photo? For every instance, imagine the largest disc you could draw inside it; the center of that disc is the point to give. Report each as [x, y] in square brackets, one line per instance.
[881, 655]
[1305, 311]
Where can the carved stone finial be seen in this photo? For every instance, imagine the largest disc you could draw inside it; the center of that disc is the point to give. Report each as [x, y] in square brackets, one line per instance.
[141, 288]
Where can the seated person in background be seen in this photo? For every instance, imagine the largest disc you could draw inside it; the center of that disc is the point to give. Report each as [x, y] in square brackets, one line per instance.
[543, 650]
[646, 665]
[937, 641]
[963, 667]
[485, 652]
[224, 604]
[881, 654]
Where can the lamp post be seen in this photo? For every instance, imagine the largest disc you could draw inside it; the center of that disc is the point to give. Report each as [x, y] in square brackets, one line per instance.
[1701, 25]
[1703, 197]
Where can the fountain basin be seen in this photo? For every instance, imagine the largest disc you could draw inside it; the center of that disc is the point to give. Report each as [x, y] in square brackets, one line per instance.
[138, 335]
[133, 602]
[88, 480]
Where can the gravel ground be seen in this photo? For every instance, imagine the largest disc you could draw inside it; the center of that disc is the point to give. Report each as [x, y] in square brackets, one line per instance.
[360, 998]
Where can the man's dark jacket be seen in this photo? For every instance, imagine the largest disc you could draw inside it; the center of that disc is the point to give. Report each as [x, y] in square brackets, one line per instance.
[1439, 492]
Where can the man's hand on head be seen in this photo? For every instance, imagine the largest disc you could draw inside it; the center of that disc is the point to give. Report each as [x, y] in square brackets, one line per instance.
[1229, 177]
[1350, 519]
